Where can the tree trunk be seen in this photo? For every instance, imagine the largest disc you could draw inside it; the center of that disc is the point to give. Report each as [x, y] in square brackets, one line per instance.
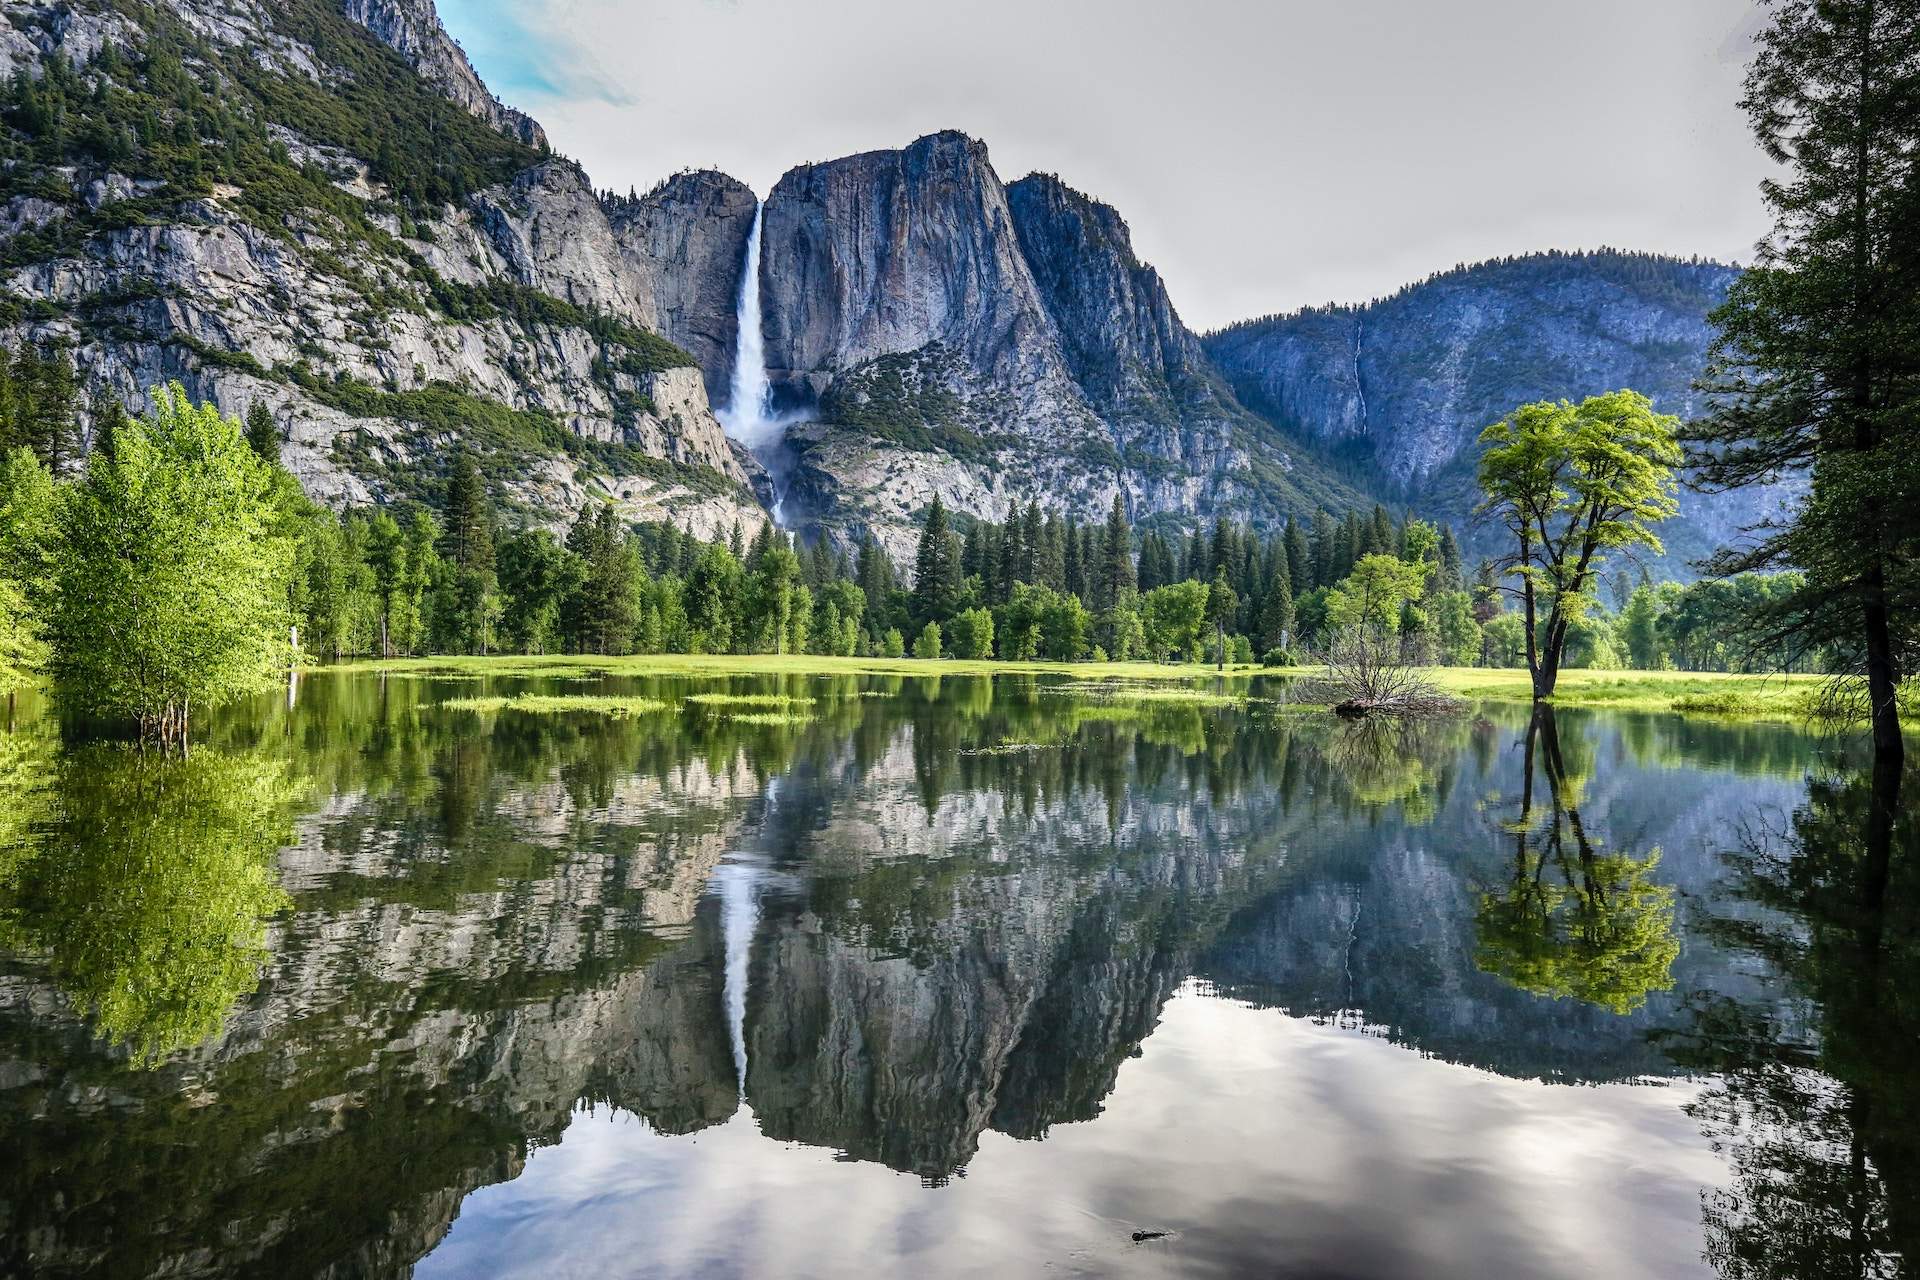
[1882, 673]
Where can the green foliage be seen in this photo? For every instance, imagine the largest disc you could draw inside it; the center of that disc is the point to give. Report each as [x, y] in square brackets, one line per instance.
[970, 633]
[1572, 485]
[169, 575]
[927, 644]
[1374, 594]
[1575, 921]
[1812, 372]
[151, 899]
[1173, 618]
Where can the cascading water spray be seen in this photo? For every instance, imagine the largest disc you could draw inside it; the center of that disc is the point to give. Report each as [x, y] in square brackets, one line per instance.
[749, 416]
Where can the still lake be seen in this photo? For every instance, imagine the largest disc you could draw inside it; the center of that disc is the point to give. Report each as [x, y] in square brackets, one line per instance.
[999, 976]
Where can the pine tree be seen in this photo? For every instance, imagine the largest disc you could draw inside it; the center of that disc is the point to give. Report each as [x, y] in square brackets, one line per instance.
[263, 435]
[1012, 558]
[468, 605]
[1813, 371]
[1116, 559]
[1276, 607]
[936, 575]
[1326, 550]
[109, 420]
[1299, 558]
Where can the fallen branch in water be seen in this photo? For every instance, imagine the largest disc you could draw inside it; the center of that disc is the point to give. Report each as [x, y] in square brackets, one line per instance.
[1365, 675]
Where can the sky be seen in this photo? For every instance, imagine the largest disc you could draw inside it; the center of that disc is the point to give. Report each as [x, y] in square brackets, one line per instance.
[1267, 154]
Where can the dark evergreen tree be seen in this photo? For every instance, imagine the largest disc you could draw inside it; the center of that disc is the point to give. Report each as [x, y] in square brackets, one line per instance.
[936, 569]
[1276, 607]
[1326, 550]
[1116, 558]
[109, 420]
[1816, 369]
[263, 433]
[1299, 558]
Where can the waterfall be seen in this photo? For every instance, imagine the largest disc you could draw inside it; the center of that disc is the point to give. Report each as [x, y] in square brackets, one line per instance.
[749, 416]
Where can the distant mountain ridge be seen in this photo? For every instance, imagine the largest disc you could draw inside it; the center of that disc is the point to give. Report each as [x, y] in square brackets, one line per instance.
[1396, 391]
[319, 206]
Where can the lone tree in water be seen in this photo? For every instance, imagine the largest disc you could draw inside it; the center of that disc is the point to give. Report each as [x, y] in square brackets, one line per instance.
[1571, 483]
[169, 578]
[1816, 370]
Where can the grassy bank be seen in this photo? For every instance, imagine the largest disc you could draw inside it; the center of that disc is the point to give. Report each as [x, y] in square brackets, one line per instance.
[1690, 692]
[764, 664]
[1694, 693]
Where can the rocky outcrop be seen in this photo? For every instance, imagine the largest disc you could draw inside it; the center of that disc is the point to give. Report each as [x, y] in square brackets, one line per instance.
[412, 29]
[947, 332]
[1126, 347]
[1402, 387]
[687, 239]
[515, 321]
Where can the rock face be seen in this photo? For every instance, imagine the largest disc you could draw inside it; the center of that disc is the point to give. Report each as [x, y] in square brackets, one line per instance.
[412, 29]
[687, 238]
[949, 334]
[515, 320]
[1402, 387]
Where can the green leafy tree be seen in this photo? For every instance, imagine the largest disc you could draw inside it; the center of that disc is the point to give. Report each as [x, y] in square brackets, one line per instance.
[1457, 631]
[1640, 627]
[1173, 618]
[712, 596]
[26, 534]
[772, 586]
[927, 644]
[537, 575]
[970, 633]
[1374, 594]
[169, 592]
[1813, 371]
[152, 902]
[1571, 484]
[1574, 920]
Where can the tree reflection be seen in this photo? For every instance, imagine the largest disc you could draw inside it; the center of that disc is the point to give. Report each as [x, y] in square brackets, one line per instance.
[151, 892]
[1818, 1099]
[1574, 919]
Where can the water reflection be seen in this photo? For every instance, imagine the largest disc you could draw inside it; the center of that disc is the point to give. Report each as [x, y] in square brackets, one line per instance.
[921, 925]
[1574, 920]
[1816, 1101]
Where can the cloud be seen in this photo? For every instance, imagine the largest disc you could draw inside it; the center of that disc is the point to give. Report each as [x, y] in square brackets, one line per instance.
[534, 52]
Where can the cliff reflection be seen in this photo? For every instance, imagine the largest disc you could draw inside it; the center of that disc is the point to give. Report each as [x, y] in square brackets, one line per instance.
[972, 899]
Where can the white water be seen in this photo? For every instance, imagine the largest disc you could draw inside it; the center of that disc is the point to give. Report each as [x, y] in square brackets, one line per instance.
[739, 882]
[749, 416]
[739, 918]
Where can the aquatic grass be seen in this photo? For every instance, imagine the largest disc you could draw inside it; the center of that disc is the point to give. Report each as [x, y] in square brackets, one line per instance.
[557, 704]
[771, 719]
[773, 700]
[1171, 697]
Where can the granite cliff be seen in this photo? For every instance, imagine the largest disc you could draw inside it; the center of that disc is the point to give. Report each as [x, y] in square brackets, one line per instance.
[943, 332]
[318, 207]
